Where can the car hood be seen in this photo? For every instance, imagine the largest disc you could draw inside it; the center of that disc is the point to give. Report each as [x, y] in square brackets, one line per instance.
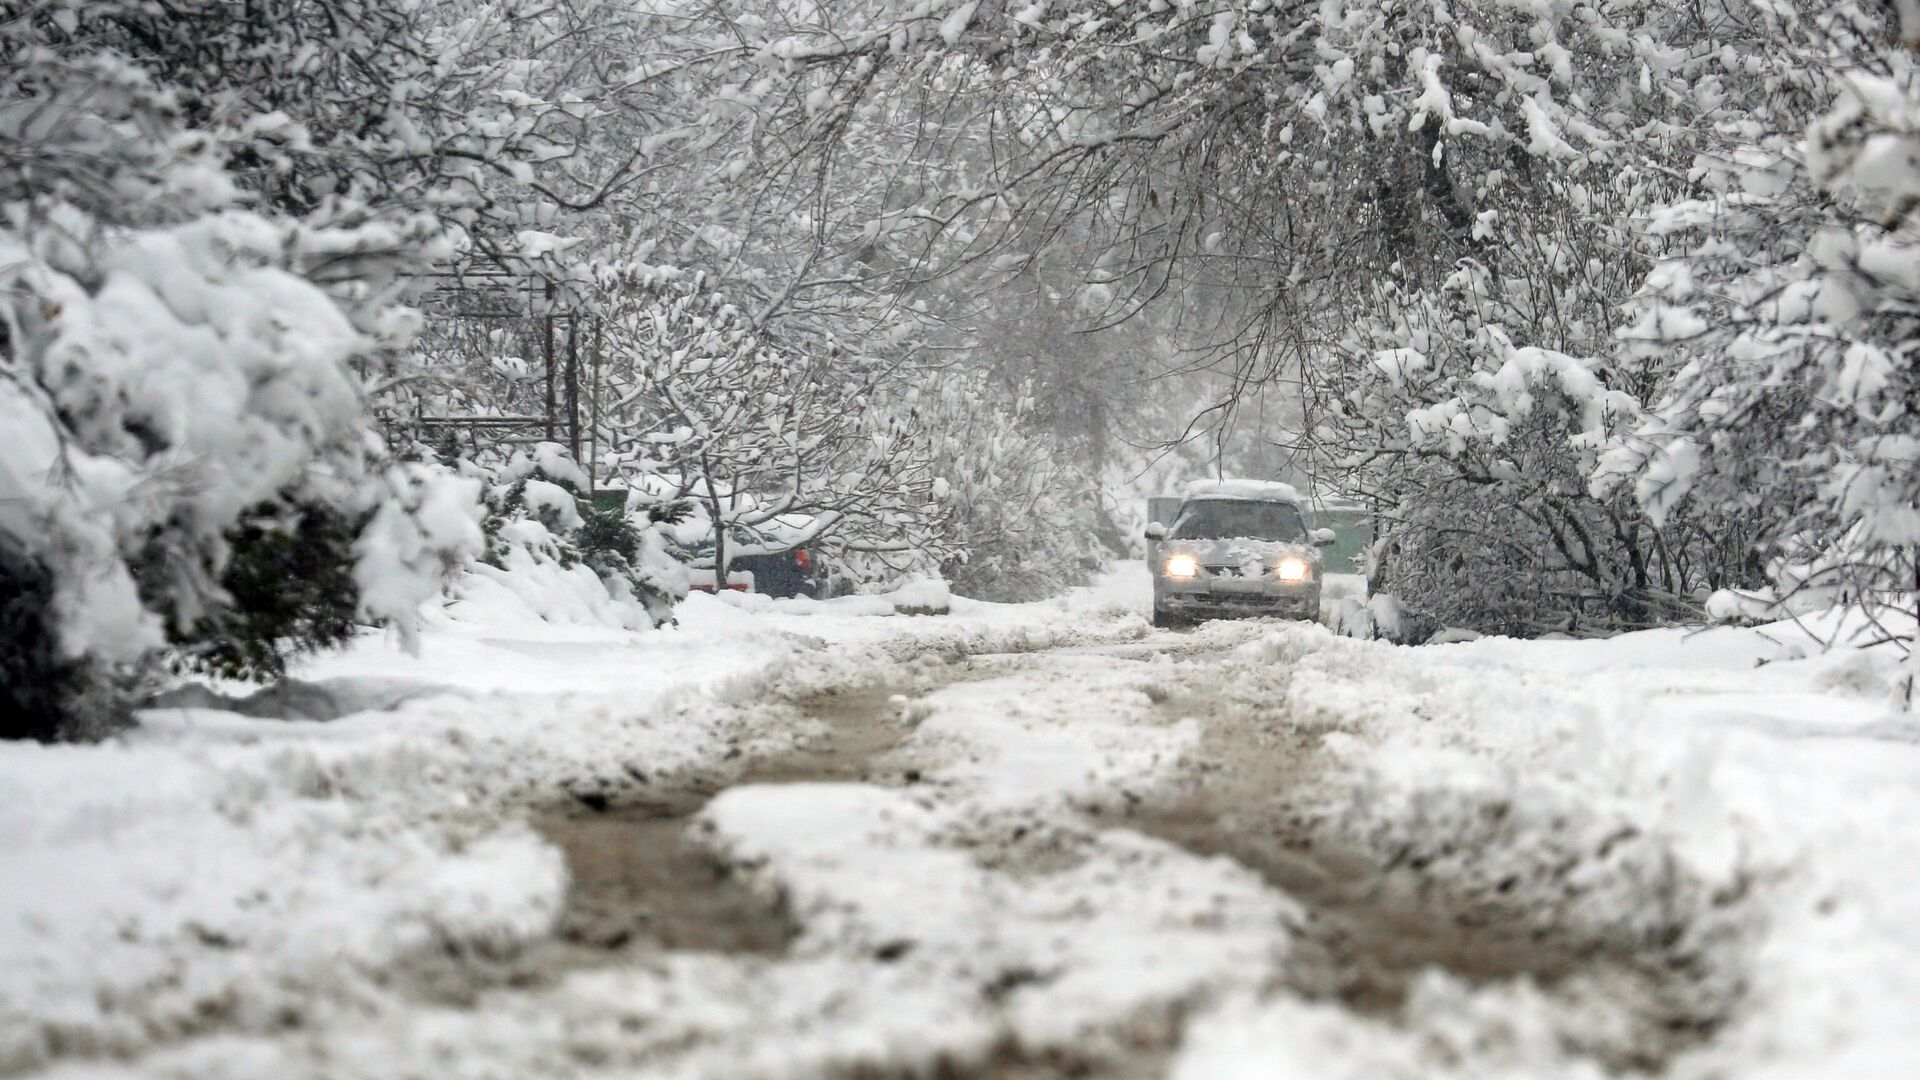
[1244, 553]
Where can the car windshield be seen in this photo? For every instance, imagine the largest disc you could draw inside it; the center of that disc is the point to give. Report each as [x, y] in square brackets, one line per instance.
[1223, 519]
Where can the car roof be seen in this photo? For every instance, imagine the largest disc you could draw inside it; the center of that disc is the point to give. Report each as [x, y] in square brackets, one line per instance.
[1271, 491]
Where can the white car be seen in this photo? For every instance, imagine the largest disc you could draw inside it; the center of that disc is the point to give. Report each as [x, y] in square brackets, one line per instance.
[1234, 549]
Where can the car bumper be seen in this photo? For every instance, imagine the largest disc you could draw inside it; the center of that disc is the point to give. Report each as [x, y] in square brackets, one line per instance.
[1203, 603]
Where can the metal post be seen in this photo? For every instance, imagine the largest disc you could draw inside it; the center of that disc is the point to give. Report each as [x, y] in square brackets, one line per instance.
[549, 352]
[593, 398]
[573, 386]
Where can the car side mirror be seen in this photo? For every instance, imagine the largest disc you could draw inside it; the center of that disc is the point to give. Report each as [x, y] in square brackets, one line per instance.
[1156, 531]
[1324, 538]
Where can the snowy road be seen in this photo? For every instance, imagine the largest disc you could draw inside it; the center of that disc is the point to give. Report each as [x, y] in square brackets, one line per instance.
[1032, 841]
[1078, 848]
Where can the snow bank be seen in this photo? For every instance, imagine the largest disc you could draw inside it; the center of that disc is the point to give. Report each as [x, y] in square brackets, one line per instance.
[215, 871]
[1112, 608]
[926, 597]
[1656, 793]
[155, 888]
[859, 606]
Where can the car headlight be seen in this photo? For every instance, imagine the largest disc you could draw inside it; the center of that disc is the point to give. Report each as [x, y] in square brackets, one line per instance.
[1182, 566]
[1291, 569]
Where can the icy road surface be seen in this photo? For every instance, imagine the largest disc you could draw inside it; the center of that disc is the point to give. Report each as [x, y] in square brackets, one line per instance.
[1042, 840]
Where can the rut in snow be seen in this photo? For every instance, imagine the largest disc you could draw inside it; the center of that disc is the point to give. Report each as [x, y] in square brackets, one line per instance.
[1375, 929]
[638, 885]
[635, 881]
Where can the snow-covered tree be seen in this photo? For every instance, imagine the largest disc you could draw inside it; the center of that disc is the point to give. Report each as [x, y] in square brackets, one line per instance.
[1020, 510]
[1342, 169]
[753, 429]
[175, 377]
[1784, 315]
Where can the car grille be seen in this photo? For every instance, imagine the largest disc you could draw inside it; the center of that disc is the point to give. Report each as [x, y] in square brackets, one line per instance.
[1232, 571]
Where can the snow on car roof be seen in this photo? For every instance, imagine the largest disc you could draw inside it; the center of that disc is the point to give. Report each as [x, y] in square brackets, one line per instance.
[1263, 490]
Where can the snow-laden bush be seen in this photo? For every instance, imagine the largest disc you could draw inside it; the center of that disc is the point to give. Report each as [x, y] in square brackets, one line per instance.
[289, 575]
[568, 560]
[1784, 319]
[174, 379]
[1476, 441]
[709, 406]
[1022, 518]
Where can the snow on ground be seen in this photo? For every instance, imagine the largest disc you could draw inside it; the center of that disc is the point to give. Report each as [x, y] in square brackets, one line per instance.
[213, 871]
[1004, 751]
[979, 878]
[215, 896]
[1723, 801]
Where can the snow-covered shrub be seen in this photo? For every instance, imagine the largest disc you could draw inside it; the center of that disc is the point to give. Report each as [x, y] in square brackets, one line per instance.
[570, 560]
[1783, 314]
[47, 692]
[174, 378]
[1476, 442]
[757, 430]
[1021, 518]
[289, 580]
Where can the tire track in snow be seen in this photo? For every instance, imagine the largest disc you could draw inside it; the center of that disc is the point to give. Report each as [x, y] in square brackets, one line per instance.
[1057, 862]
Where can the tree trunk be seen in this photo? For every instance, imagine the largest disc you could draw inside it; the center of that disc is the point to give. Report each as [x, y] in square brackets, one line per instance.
[719, 540]
[719, 524]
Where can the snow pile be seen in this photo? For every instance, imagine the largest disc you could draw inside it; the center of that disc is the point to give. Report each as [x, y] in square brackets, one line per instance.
[928, 596]
[158, 888]
[859, 605]
[923, 597]
[1111, 609]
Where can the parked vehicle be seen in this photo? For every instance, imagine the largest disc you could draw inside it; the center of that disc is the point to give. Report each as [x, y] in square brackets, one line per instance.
[1235, 549]
[759, 560]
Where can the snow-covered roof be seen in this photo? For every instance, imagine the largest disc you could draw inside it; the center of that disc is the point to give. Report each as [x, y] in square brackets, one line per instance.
[1264, 490]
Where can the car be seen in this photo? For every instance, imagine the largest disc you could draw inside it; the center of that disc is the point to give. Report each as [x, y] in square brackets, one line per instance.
[1235, 549]
[759, 560]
